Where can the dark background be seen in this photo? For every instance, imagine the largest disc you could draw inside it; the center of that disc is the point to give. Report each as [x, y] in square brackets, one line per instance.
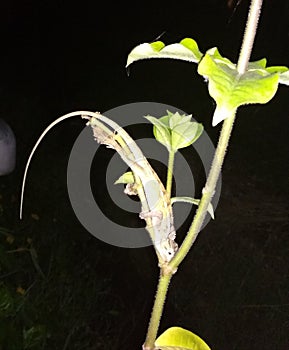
[61, 56]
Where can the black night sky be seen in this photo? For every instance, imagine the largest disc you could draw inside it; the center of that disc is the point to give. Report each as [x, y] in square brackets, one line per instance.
[59, 56]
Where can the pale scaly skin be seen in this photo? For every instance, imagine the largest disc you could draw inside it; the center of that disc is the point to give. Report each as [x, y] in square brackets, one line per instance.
[156, 205]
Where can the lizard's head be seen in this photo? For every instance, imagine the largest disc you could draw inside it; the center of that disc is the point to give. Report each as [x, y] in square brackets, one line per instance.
[168, 250]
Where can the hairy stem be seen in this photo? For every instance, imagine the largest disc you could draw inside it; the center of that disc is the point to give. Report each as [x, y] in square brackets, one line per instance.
[157, 311]
[210, 186]
[249, 35]
[170, 173]
[208, 192]
[219, 156]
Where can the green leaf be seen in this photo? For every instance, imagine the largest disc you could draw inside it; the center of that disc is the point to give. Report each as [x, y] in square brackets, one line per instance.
[180, 339]
[230, 89]
[283, 74]
[157, 45]
[186, 50]
[7, 302]
[195, 202]
[126, 178]
[192, 45]
[34, 337]
[161, 131]
[175, 131]
[183, 135]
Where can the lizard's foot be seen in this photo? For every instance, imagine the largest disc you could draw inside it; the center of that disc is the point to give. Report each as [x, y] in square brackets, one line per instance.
[167, 270]
[151, 214]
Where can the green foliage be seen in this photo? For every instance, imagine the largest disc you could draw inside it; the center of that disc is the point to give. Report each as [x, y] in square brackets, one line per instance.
[34, 337]
[283, 74]
[126, 178]
[180, 339]
[175, 131]
[231, 86]
[12, 315]
[15, 310]
[227, 86]
[7, 302]
[44, 312]
[230, 89]
[186, 50]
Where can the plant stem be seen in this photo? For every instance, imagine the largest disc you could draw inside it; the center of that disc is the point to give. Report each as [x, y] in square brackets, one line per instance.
[170, 173]
[249, 35]
[208, 192]
[210, 186]
[219, 156]
[157, 311]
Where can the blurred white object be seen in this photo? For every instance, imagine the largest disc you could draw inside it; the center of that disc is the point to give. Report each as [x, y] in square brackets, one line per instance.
[7, 148]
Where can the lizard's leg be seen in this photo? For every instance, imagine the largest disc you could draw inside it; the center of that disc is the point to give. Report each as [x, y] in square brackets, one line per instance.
[152, 214]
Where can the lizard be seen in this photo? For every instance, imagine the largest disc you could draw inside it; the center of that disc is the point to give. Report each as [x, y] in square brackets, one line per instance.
[155, 202]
